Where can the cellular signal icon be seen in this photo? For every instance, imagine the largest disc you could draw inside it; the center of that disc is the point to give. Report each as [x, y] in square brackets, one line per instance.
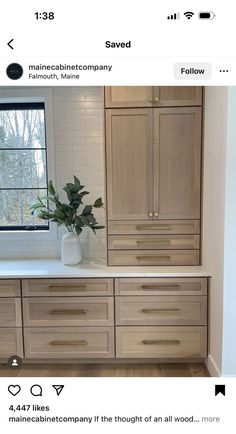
[173, 16]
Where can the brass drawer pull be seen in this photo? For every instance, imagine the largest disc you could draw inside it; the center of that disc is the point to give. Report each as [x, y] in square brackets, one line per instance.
[159, 310]
[154, 257]
[67, 312]
[153, 241]
[160, 288]
[63, 288]
[68, 343]
[160, 342]
[147, 227]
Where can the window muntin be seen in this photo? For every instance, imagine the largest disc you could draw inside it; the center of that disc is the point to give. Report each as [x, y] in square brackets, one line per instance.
[23, 164]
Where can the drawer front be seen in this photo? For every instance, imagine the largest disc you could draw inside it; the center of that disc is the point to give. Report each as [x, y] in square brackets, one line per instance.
[161, 310]
[9, 288]
[161, 286]
[10, 312]
[154, 227]
[152, 257]
[71, 311]
[161, 342]
[153, 242]
[68, 287]
[70, 342]
[11, 342]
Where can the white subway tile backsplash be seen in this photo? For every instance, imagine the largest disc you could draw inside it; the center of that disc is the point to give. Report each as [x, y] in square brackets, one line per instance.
[79, 150]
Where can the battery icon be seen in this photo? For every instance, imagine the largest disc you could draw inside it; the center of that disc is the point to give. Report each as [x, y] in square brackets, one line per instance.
[206, 15]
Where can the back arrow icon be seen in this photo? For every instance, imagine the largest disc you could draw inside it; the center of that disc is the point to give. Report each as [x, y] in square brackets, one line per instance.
[9, 44]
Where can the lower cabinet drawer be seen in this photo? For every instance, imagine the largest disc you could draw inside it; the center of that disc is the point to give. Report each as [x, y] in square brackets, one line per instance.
[175, 242]
[161, 342]
[161, 310]
[70, 311]
[10, 312]
[69, 342]
[153, 257]
[11, 342]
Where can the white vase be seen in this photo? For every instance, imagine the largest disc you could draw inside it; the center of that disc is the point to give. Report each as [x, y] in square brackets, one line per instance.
[71, 249]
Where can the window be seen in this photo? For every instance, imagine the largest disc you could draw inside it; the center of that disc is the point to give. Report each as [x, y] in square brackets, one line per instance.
[23, 164]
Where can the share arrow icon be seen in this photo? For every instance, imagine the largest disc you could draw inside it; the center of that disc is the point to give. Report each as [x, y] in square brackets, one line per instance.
[58, 388]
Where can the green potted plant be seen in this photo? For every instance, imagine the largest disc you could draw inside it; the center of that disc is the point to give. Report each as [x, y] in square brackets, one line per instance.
[71, 215]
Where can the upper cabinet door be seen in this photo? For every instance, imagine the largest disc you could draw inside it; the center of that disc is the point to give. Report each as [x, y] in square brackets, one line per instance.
[148, 96]
[129, 148]
[177, 147]
[177, 96]
[129, 96]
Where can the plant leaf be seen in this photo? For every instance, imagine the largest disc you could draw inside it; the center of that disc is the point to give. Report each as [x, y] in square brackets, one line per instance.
[87, 210]
[51, 189]
[98, 203]
[78, 230]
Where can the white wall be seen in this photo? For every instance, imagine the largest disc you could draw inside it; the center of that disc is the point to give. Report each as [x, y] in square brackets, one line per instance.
[229, 313]
[219, 225]
[215, 139]
[79, 146]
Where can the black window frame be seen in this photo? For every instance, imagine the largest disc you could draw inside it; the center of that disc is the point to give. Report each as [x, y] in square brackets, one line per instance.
[26, 106]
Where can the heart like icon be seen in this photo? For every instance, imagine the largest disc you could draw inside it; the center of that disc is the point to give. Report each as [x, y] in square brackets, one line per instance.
[14, 389]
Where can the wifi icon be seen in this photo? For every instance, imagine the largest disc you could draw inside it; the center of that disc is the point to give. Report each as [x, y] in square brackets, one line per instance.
[188, 15]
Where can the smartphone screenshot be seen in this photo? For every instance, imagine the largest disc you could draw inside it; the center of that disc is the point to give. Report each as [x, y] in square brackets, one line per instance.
[117, 216]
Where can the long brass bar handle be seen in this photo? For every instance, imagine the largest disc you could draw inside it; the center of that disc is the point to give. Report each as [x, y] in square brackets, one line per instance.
[68, 312]
[160, 342]
[159, 310]
[160, 288]
[67, 287]
[153, 241]
[68, 343]
[148, 227]
[154, 257]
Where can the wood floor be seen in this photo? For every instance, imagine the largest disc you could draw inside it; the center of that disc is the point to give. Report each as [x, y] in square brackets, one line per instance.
[122, 370]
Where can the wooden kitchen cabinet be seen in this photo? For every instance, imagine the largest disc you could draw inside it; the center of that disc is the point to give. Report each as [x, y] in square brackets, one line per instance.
[129, 139]
[153, 160]
[153, 173]
[177, 162]
[11, 342]
[152, 96]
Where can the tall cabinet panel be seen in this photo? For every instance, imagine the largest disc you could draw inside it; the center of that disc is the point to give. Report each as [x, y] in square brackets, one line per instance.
[129, 139]
[177, 144]
[153, 158]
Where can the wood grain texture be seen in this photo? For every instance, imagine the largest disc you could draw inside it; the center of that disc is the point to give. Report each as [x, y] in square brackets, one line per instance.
[161, 286]
[105, 370]
[161, 341]
[10, 288]
[148, 96]
[142, 227]
[177, 96]
[11, 342]
[68, 287]
[153, 257]
[129, 146]
[161, 310]
[177, 162]
[69, 342]
[10, 312]
[157, 242]
[71, 311]
[128, 96]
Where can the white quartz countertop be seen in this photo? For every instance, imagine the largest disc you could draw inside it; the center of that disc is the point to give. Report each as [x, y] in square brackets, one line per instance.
[53, 268]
